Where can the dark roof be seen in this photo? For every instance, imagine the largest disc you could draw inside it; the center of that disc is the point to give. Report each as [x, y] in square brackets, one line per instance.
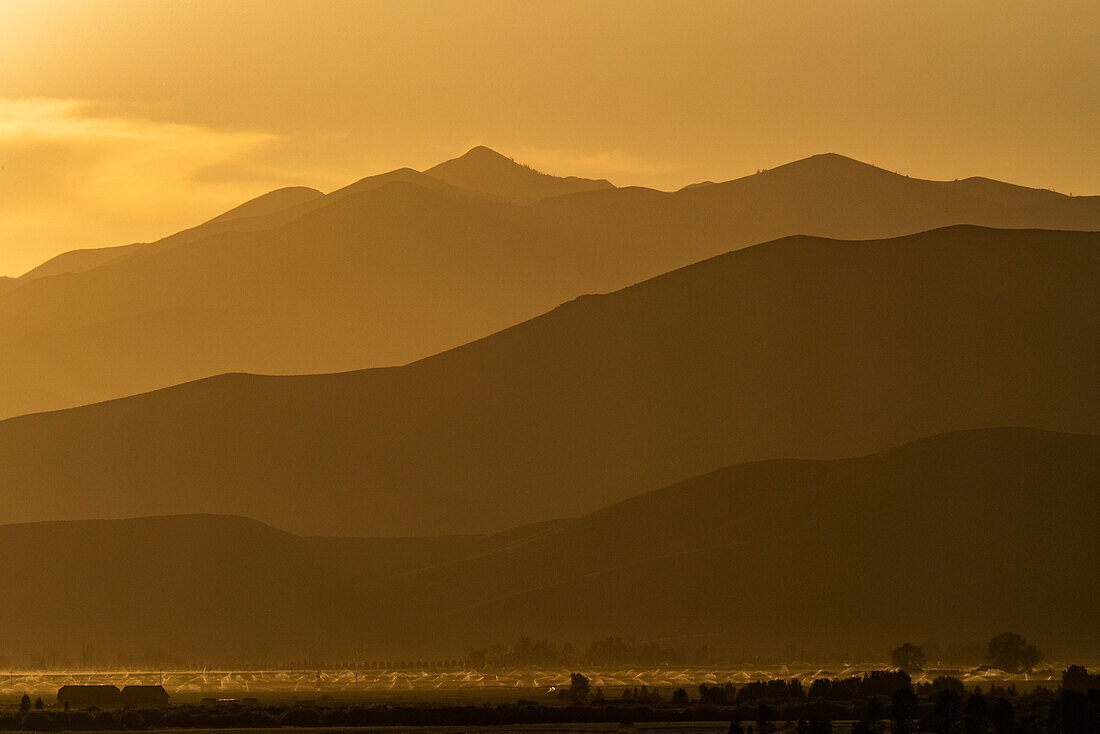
[134, 694]
[97, 695]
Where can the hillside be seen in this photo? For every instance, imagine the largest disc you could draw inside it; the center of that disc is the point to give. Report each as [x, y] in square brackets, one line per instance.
[802, 347]
[935, 539]
[815, 559]
[240, 218]
[403, 265]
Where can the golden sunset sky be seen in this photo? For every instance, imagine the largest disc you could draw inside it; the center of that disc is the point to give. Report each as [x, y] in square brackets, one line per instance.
[124, 121]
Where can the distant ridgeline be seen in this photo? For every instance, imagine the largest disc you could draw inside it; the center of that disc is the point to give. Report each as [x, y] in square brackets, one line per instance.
[878, 538]
[801, 348]
[405, 264]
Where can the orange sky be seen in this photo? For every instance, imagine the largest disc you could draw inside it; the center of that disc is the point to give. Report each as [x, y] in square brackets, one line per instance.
[123, 121]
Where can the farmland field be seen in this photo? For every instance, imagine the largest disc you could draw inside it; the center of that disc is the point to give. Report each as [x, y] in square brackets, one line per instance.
[460, 686]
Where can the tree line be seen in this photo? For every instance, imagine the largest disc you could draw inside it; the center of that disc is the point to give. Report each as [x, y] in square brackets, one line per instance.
[1007, 651]
[865, 703]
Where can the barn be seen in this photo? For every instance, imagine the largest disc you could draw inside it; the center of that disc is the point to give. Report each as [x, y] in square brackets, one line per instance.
[145, 697]
[80, 697]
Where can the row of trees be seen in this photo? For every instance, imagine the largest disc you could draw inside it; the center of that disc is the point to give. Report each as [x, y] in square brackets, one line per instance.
[606, 652]
[942, 706]
[873, 685]
[946, 709]
[876, 683]
[1007, 651]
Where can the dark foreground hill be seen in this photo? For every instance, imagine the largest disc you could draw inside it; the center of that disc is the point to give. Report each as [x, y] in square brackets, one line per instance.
[403, 265]
[955, 537]
[802, 347]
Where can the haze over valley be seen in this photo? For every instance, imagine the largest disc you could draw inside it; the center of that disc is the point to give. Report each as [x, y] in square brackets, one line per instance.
[678, 563]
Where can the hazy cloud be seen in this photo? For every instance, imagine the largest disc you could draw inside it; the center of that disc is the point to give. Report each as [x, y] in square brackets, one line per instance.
[73, 174]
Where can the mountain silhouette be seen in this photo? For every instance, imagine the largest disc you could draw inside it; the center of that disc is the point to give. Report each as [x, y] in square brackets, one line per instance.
[802, 347]
[485, 171]
[294, 198]
[939, 538]
[698, 184]
[396, 267]
[488, 174]
[271, 202]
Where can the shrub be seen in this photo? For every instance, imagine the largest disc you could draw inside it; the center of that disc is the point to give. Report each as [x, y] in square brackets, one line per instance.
[300, 717]
[38, 721]
[133, 720]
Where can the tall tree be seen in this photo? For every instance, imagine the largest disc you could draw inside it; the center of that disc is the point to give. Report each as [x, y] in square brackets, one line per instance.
[946, 710]
[977, 714]
[1012, 653]
[903, 709]
[1004, 717]
[908, 657]
[579, 688]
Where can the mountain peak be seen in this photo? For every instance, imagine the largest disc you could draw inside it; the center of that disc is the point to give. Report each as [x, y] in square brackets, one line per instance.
[487, 172]
[831, 162]
[485, 153]
[830, 156]
[479, 160]
[821, 167]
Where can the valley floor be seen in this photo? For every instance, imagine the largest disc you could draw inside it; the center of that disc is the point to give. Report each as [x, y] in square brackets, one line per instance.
[464, 687]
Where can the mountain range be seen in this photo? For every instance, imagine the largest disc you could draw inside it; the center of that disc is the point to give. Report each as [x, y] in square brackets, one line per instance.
[406, 264]
[810, 412]
[953, 537]
[802, 347]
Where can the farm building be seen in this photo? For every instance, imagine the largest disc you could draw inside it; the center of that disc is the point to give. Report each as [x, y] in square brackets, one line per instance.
[109, 697]
[146, 697]
[80, 697]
